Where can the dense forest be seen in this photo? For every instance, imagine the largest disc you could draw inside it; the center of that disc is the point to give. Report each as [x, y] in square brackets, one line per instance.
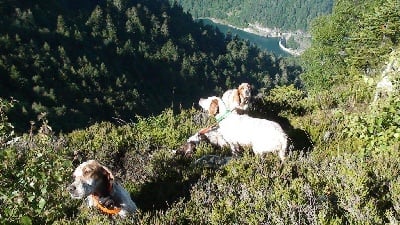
[75, 66]
[119, 59]
[286, 15]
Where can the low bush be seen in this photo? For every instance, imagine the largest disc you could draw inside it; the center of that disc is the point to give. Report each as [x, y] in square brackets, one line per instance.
[34, 175]
[6, 128]
[348, 178]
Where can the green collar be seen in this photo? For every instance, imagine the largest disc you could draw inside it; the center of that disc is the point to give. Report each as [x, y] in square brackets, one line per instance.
[221, 117]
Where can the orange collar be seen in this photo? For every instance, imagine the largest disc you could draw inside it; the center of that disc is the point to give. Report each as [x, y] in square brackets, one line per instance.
[205, 130]
[103, 209]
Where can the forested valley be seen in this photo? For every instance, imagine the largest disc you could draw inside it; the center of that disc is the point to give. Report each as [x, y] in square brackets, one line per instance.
[68, 59]
[285, 15]
[118, 81]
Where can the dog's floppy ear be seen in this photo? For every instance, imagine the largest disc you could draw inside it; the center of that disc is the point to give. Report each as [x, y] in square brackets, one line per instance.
[236, 96]
[107, 172]
[214, 107]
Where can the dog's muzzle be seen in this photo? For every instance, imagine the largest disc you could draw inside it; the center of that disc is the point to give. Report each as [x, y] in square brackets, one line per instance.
[72, 190]
[78, 192]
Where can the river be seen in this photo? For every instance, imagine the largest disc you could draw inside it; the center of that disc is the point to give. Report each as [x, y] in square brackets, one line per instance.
[264, 43]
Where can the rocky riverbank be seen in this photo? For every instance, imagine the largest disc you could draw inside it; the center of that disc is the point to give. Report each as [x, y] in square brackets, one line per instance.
[271, 32]
[294, 52]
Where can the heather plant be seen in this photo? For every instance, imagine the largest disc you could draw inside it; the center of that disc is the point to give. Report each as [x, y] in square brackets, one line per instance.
[346, 189]
[34, 173]
[168, 129]
[6, 128]
[375, 130]
[344, 186]
[287, 100]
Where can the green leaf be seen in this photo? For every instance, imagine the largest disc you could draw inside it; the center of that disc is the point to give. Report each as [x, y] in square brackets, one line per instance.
[25, 220]
[370, 129]
[43, 190]
[42, 202]
[30, 198]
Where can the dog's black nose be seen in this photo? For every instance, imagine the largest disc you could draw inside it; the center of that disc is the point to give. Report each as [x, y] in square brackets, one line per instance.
[71, 188]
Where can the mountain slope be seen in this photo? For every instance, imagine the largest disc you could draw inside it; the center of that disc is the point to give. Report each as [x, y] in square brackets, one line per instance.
[350, 174]
[85, 62]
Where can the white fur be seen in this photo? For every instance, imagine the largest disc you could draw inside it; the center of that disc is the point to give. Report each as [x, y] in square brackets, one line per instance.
[242, 130]
[239, 98]
[213, 136]
[85, 184]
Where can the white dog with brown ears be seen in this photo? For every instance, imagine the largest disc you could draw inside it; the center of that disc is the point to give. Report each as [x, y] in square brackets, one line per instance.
[242, 130]
[96, 183]
[238, 99]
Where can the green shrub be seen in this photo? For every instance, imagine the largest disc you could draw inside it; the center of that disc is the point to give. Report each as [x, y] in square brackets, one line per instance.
[34, 173]
[378, 129]
[104, 141]
[345, 180]
[6, 128]
[281, 101]
[287, 99]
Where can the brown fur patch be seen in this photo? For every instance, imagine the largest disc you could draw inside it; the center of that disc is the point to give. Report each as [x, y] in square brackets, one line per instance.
[214, 107]
[236, 97]
[98, 172]
[243, 87]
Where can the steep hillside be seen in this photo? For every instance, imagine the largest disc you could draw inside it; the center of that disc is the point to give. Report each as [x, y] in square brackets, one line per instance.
[285, 15]
[347, 172]
[82, 62]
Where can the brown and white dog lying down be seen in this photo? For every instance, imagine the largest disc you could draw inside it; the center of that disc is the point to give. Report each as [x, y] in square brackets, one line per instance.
[238, 99]
[242, 130]
[97, 184]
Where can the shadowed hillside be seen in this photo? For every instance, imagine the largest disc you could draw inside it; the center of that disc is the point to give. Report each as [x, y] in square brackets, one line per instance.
[118, 59]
